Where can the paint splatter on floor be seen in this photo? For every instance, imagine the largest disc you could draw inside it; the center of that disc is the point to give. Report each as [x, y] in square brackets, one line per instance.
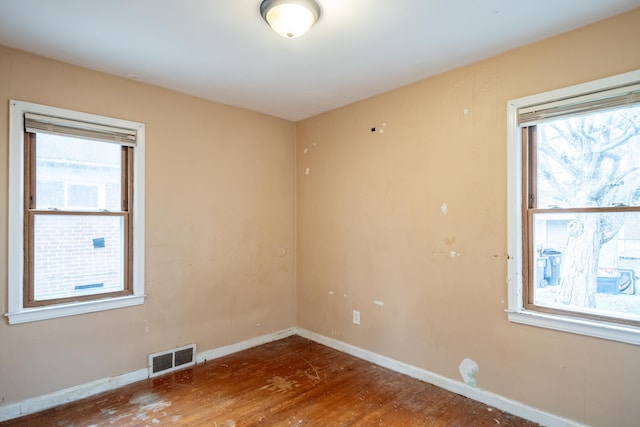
[148, 403]
[279, 384]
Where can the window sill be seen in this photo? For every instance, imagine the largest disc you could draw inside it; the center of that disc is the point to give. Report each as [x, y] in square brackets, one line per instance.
[609, 331]
[62, 310]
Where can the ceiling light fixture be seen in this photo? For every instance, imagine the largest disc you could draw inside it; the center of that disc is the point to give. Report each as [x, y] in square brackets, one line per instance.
[290, 18]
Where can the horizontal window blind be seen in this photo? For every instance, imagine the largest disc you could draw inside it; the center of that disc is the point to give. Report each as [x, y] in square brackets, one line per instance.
[628, 95]
[59, 126]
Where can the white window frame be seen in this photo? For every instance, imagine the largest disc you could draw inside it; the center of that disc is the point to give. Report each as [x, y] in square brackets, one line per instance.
[516, 310]
[17, 313]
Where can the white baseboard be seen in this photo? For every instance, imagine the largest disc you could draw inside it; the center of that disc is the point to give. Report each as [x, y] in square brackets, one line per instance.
[40, 403]
[486, 397]
[32, 405]
[47, 401]
[253, 342]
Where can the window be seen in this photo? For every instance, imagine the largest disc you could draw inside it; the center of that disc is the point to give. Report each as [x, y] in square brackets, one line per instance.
[76, 230]
[574, 209]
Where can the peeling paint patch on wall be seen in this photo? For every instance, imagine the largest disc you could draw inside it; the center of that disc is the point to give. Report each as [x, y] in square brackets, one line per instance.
[307, 171]
[468, 369]
[444, 208]
[375, 129]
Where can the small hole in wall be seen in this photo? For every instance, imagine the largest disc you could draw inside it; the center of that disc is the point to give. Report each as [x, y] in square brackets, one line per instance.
[373, 129]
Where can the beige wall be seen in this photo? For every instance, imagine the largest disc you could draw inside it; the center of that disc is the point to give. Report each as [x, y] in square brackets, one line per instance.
[371, 228]
[220, 246]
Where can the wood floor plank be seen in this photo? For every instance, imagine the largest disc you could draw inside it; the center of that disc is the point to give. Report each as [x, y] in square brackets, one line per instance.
[291, 382]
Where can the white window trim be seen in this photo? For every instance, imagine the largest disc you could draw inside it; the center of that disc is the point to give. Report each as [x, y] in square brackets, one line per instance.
[516, 311]
[17, 313]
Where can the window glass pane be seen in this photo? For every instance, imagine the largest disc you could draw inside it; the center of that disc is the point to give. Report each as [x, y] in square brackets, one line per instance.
[74, 173]
[77, 255]
[588, 262]
[81, 195]
[590, 160]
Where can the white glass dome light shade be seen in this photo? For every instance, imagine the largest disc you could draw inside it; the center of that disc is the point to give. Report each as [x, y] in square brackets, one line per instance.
[290, 18]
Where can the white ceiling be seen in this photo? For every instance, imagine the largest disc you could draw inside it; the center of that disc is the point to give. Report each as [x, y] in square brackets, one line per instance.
[222, 50]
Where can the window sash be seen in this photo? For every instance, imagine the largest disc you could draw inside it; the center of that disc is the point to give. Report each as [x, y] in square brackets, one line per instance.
[29, 274]
[30, 212]
[529, 210]
[528, 276]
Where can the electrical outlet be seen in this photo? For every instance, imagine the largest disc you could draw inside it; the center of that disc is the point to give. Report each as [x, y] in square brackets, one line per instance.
[356, 317]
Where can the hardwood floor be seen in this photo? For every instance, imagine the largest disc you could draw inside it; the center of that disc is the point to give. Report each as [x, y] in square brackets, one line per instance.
[291, 382]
